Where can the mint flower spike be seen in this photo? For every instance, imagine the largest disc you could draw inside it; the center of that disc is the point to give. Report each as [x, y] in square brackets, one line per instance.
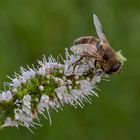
[49, 86]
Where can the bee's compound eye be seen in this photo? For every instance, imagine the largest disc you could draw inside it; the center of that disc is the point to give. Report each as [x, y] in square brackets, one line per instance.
[114, 68]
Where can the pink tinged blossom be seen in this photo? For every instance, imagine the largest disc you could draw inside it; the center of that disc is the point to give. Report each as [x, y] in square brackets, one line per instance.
[9, 122]
[26, 100]
[60, 91]
[42, 71]
[85, 86]
[6, 96]
[16, 82]
[28, 74]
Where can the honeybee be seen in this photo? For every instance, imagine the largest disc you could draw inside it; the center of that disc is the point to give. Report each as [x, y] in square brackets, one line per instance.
[97, 48]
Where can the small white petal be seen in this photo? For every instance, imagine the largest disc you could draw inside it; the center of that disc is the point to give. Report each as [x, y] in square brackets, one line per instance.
[9, 122]
[32, 72]
[64, 77]
[16, 82]
[45, 99]
[97, 79]
[69, 82]
[60, 91]
[61, 82]
[22, 79]
[27, 74]
[7, 96]
[42, 71]
[14, 90]
[56, 79]
[26, 100]
[77, 82]
[61, 71]
[76, 77]
[40, 108]
[85, 86]
[88, 79]
[70, 87]
[41, 88]
[48, 76]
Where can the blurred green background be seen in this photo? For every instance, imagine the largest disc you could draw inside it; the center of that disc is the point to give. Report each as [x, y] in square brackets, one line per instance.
[31, 28]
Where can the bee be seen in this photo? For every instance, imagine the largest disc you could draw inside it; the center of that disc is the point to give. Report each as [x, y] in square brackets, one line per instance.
[97, 48]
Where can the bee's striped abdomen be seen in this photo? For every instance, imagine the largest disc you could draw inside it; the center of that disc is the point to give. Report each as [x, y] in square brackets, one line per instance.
[86, 40]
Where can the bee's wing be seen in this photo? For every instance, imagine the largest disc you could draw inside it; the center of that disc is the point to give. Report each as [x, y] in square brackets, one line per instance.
[80, 48]
[99, 28]
[86, 50]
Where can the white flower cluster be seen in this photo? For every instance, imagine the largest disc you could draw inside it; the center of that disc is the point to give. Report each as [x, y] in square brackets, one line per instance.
[49, 86]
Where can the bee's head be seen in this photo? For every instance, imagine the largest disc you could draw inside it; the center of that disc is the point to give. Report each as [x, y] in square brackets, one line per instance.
[111, 63]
